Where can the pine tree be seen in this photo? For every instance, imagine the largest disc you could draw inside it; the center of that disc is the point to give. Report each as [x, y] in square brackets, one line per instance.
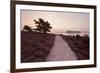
[42, 26]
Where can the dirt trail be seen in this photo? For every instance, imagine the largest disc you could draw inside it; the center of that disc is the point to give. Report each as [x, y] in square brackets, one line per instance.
[61, 51]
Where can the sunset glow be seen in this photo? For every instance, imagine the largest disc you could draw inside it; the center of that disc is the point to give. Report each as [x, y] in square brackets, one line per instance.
[60, 21]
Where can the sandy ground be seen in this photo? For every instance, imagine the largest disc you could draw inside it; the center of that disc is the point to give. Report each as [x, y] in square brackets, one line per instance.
[61, 51]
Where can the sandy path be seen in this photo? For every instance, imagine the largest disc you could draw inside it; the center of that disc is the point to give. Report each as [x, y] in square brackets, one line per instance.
[61, 51]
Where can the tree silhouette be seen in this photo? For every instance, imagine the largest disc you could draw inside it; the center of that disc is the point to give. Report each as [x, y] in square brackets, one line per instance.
[27, 28]
[42, 26]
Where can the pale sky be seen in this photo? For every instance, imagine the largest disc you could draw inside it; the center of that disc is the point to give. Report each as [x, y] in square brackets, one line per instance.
[60, 21]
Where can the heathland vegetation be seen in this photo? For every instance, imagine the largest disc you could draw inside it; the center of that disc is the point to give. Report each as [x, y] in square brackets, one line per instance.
[37, 43]
[79, 44]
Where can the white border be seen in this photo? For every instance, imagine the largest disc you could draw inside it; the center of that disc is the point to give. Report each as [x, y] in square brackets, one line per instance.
[20, 65]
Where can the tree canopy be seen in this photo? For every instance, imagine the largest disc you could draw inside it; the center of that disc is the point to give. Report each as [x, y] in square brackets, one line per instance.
[42, 26]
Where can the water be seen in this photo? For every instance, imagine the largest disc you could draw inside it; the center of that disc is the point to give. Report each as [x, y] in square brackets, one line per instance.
[74, 34]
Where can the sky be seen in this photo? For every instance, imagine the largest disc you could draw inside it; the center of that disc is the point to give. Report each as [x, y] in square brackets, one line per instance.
[60, 21]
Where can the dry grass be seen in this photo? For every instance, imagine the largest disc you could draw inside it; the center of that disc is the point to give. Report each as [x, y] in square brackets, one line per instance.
[35, 46]
[79, 44]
